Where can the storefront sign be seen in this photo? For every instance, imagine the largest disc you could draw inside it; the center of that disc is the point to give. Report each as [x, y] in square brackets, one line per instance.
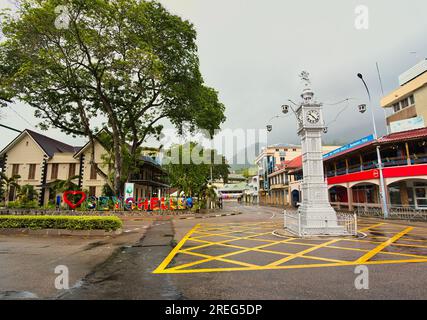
[350, 146]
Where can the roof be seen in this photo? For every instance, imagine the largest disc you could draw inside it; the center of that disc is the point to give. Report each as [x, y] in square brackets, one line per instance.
[404, 90]
[404, 136]
[235, 187]
[391, 138]
[48, 145]
[295, 163]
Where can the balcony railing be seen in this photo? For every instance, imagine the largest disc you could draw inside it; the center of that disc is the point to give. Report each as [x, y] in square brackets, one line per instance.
[395, 162]
[387, 162]
[419, 159]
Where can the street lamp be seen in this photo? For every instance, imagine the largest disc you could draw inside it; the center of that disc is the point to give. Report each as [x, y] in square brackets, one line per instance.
[380, 164]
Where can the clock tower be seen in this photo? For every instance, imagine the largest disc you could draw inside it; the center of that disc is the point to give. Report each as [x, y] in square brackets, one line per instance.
[317, 215]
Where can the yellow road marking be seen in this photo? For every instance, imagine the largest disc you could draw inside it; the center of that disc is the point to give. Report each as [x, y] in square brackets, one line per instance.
[305, 266]
[300, 254]
[220, 256]
[258, 230]
[372, 226]
[169, 258]
[383, 245]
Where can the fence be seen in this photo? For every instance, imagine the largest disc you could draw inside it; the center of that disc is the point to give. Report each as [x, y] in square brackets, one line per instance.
[395, 212]
[344, 221]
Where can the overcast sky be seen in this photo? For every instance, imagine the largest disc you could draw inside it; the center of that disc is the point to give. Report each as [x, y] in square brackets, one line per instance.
[252, 51]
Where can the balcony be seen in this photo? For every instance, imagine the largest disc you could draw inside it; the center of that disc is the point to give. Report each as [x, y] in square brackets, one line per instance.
[387, 162]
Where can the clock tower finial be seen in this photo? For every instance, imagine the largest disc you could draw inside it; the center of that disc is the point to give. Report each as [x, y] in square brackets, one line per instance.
[307, 94]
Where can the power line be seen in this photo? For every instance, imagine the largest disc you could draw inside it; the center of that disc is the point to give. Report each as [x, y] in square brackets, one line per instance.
[10, 128]
[28, 122]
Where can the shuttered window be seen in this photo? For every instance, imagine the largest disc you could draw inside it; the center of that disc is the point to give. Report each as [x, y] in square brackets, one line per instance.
[32, 172]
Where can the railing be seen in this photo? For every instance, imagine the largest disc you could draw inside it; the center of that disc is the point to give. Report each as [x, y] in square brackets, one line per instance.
[387, 162]
[346, 223]
[394, 162]
[395, 212]
[418, 159]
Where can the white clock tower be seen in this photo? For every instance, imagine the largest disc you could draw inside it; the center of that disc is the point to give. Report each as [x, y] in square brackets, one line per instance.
[317, 215]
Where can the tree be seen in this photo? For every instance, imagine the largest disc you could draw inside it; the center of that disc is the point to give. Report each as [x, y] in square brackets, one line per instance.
[60, 186]
[9, 183]
[128, 62]
[189, 168]
[27, 193]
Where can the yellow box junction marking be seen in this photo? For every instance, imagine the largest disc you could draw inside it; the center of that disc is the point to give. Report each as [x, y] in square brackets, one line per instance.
[228, 235]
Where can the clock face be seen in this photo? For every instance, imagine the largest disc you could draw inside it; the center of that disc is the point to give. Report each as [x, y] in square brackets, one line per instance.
[313, 116]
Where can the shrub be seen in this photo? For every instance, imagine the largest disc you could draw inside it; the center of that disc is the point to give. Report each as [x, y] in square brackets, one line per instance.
[61, 222]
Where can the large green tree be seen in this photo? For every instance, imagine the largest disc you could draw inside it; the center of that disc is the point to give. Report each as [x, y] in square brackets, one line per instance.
[190, 168]
[130, 63]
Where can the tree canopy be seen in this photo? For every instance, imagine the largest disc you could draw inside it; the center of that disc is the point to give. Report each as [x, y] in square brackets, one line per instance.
[188, 174]
[130, 63]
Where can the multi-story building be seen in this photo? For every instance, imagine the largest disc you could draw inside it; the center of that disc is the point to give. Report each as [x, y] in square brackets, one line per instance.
[40, 161]
[353, 175]
[274, 163]
[408, 102]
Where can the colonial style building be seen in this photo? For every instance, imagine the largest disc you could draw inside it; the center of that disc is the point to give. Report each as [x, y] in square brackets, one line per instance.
[276, 186]
[353, 175]
[40, 161]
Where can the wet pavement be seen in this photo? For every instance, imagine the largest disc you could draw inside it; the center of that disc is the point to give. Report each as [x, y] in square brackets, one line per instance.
[232, 257]
[238, 258]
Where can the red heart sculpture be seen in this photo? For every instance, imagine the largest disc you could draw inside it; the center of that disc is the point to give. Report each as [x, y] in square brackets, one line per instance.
[73, 193]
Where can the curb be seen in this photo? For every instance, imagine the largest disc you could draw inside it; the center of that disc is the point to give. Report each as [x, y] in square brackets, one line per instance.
[211, 216]
[61, 232]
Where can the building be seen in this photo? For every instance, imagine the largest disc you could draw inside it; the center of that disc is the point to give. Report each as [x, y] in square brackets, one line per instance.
[251, 193]
[274, 164]
[354, 180]
[40, 161]
[408, 103]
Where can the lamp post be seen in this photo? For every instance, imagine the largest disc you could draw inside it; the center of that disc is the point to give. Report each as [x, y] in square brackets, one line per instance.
[380, 164]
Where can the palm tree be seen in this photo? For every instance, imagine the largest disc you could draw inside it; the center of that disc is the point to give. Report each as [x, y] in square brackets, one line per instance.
[60, 186]
[210, 194]
[9, 183]
[27, 193]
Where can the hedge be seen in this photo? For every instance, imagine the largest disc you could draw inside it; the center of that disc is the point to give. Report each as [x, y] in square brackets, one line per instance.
[61, 222]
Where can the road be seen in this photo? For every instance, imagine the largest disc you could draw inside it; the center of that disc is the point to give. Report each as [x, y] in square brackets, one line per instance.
[237, 257]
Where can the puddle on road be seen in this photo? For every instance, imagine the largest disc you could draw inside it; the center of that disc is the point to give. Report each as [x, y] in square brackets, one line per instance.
[17, 295]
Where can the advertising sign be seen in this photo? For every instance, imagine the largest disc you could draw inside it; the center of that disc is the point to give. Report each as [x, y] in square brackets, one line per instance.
[408, 124]
[129, 190]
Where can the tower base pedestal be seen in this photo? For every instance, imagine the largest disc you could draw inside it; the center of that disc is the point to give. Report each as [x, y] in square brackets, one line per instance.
[317, 221]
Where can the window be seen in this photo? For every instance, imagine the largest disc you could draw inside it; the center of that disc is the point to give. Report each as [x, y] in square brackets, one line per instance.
[92, 191]
[404, 103]
[32, 172]
[282, 159]
[15, 169]
[54, 173]
[294, 150]
[396, 107]
[411, 100]
[92, 172]
[72, 170]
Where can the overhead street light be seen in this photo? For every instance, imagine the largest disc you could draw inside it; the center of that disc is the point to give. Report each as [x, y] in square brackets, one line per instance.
[380, 164]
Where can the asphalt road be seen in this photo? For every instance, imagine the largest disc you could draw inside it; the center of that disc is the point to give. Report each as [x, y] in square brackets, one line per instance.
[27, 263]
[128, 274]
